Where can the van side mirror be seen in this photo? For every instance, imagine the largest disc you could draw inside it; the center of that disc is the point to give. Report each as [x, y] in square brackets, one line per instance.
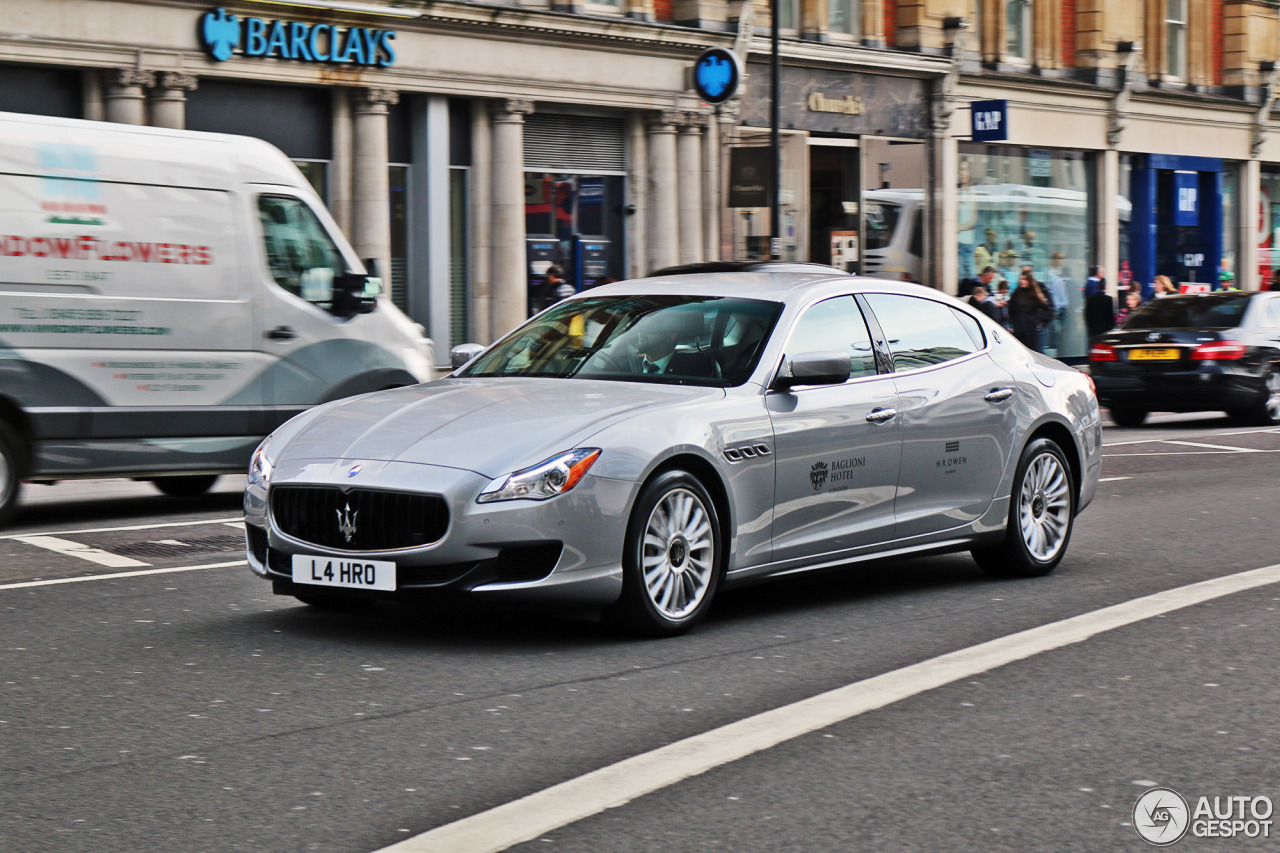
[462, 354]
[356, 293]
[814, 368]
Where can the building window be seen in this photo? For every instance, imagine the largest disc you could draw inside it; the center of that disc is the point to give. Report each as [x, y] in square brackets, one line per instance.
[788, 15]
[1175, 29]
[843, 17]
[1017, 42]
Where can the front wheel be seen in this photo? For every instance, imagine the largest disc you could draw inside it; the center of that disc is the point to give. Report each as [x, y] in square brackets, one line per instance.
[672, 558]
[1041, 515]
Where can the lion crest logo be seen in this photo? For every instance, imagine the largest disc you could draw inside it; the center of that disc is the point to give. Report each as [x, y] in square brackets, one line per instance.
[818, 475]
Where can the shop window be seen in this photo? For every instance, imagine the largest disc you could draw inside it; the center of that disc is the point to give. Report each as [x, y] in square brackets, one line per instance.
[1269, 227]
[459, 296]
[844, 17]
[1018, 30]
[398, 276]
[317, 174]
[1175, 35]
[301, 255]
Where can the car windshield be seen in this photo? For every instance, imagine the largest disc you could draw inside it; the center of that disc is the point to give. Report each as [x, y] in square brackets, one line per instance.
[1213, 311]
[686, 340]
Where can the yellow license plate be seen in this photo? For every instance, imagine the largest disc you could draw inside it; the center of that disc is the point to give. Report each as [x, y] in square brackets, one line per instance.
[1153, 354]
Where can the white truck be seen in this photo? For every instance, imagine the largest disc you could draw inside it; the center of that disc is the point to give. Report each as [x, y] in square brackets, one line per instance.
[167, 298]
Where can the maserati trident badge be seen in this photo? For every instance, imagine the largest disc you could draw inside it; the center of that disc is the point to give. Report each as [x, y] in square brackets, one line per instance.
[347, 522]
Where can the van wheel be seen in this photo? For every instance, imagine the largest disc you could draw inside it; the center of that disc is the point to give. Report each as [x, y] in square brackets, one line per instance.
[11, 461]
[185, 487]
[1041, 512]
[673, 557]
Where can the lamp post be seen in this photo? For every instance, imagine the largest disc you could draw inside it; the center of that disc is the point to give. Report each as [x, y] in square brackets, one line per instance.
[775, 140]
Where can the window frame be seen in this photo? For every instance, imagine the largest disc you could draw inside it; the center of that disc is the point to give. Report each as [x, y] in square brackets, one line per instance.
[1181, 50]
[1025, 28]
[788, 353]
[854, 31]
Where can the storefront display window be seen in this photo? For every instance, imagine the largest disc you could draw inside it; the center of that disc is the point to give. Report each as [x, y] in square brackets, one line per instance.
[1229, 273]
[1019, 207]
[1268, 233]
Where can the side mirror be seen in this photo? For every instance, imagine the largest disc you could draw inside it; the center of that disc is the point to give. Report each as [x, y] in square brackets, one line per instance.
[463, 354]
[814, 368]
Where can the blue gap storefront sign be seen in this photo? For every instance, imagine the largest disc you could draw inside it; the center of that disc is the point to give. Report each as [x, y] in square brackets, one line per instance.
[222, 34]
[1175, 222]
[989, 121]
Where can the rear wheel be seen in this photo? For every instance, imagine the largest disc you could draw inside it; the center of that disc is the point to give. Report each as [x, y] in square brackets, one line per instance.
[1267, 411]
[1041, 514]
[185, 487]
[11, 461]
[672, 561]
[1128, 416]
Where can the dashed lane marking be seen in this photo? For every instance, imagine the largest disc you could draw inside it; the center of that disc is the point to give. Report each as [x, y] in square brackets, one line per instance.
[1217, 446]
[84, 552]
[560, 805]
[118, 575]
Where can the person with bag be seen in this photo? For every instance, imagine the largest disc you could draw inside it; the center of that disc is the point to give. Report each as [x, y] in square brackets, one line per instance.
[1030, 310]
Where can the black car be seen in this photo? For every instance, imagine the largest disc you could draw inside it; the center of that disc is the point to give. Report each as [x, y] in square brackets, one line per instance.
[1193, 353]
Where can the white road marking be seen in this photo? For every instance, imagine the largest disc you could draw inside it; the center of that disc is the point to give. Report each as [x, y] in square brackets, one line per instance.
[84, 552]
[560, 805]
[237, 520]
[1225, 451]
[1217, 446]
[117, 575]
[1113, 479]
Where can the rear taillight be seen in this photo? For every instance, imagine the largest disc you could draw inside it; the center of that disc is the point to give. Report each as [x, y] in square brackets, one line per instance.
[1103, 352]
[1218, 351]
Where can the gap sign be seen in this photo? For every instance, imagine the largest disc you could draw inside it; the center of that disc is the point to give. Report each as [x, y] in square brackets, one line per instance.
[989, 121]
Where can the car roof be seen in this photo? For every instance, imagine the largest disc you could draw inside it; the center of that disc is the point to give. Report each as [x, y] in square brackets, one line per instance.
[745, 266]
[774, 285]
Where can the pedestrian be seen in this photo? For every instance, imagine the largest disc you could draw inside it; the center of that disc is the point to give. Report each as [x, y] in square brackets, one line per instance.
[1132, 302]
[1227, 280]
[553, 289]
[1099, 313]
[1097, 281]
[984, 302]
[1164, 287]
[1029, 310]
[984, 279]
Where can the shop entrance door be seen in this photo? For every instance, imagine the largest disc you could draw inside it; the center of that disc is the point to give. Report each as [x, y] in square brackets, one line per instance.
[834, 191]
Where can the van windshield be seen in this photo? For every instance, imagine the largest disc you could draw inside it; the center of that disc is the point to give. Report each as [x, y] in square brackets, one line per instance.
[881, 218]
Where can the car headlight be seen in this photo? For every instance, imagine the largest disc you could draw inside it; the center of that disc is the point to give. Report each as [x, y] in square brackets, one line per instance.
[260, 465]
[545, 480]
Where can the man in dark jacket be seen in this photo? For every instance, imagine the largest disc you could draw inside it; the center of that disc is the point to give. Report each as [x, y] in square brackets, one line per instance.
[1099, 313]
[981, 299]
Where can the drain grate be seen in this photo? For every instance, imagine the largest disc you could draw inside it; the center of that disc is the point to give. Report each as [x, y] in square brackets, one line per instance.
[217, 543]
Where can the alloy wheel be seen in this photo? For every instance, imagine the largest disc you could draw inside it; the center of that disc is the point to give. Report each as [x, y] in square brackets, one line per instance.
[1044, 506]
[678, 559]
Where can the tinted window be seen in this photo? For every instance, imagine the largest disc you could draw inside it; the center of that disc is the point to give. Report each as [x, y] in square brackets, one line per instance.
[920, 332]
[835, 325]
[973, 327]
[1213, 311]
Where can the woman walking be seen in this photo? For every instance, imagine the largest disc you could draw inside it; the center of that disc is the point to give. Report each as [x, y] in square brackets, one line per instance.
[1029, 311]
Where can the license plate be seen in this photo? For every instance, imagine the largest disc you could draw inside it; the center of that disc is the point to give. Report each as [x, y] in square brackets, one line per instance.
[350, 574]
[1154, 354]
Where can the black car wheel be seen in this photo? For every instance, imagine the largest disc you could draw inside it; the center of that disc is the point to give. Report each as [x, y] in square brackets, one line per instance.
[673, 556]
[1268, 409]
[10, 471]
[185, 487]
[1128, 416]
[1041, 514]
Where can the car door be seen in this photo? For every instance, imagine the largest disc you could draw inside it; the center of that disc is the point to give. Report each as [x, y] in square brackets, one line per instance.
[838, 447]
[956, 408]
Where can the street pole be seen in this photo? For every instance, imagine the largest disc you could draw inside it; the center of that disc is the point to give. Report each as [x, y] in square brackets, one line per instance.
[775, 141]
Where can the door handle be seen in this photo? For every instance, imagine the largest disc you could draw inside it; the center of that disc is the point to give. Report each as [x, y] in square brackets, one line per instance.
[282, 333]
[879, 416]
[999, 395]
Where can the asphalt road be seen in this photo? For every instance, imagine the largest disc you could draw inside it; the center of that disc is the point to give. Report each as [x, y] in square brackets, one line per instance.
[192, 710]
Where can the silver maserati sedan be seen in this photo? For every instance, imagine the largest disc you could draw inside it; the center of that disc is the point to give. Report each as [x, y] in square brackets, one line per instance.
[642, 445]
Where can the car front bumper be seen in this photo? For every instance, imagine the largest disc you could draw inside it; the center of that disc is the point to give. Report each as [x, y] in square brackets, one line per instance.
[566, 550]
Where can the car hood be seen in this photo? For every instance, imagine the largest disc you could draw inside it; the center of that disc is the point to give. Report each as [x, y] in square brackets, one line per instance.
[490, 426]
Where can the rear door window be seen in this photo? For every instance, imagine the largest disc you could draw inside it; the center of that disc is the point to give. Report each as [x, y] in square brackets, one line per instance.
[920, 332]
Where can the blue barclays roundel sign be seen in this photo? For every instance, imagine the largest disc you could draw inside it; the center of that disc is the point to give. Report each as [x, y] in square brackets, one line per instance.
[224, 34]
[716, 75]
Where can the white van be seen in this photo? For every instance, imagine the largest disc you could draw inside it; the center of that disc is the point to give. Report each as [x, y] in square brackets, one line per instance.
[167, 298]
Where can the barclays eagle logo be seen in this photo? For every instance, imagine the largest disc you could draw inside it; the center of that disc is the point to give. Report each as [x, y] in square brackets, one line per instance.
[714, 75]
[221, 33]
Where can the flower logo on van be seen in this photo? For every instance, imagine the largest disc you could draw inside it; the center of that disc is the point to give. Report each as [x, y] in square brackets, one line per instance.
[221, 33]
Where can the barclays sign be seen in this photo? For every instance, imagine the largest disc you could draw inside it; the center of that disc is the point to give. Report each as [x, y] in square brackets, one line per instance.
[224, 34]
